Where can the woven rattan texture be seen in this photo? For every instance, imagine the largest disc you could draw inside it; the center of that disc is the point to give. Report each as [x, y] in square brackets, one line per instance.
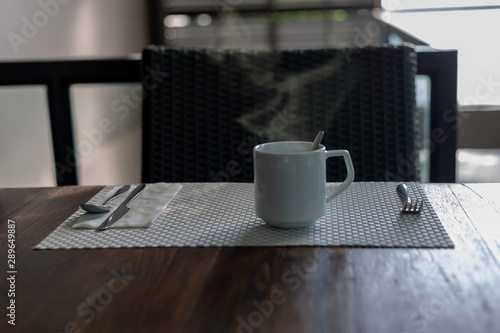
[204, 110]
[222, 214]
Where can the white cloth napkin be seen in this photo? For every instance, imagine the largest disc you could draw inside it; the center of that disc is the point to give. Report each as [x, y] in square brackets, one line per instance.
[144, 209]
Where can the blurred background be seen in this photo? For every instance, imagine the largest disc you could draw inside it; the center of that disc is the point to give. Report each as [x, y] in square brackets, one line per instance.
[47, 30]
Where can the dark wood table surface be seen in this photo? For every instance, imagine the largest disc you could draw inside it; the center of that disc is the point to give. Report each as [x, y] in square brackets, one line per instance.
[252, 289]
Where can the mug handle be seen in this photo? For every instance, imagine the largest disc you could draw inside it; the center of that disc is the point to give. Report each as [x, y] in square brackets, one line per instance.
[350, 172]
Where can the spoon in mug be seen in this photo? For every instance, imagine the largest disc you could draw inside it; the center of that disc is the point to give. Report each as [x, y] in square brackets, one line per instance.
[318, 139]
[96, 209]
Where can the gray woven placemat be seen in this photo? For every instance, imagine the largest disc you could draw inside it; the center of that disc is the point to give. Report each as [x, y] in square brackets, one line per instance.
[222, 214]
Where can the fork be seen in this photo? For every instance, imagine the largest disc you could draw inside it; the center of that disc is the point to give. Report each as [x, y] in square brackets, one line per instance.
[408, 207]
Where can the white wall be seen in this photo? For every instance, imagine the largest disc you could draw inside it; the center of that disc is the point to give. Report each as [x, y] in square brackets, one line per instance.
[68, 29]
[71, 28]
[25, 150]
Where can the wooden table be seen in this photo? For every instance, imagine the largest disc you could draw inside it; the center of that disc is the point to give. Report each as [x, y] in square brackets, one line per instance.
[242, 289]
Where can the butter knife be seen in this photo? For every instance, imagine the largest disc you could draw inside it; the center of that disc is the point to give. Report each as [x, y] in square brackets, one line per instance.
[121, 210]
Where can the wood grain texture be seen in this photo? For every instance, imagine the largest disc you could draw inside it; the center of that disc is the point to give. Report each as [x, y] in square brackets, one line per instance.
[255, 289]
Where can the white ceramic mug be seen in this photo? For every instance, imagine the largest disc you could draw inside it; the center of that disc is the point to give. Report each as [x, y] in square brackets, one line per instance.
[290, 182]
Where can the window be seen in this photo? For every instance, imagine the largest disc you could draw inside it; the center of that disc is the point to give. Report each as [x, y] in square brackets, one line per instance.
[263, 23]
[468, 26]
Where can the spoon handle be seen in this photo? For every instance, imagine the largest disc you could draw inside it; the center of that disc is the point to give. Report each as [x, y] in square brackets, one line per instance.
[318, 139]
[120, 191]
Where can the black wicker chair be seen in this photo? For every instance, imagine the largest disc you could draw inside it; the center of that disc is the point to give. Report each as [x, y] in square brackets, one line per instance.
[205, 109]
